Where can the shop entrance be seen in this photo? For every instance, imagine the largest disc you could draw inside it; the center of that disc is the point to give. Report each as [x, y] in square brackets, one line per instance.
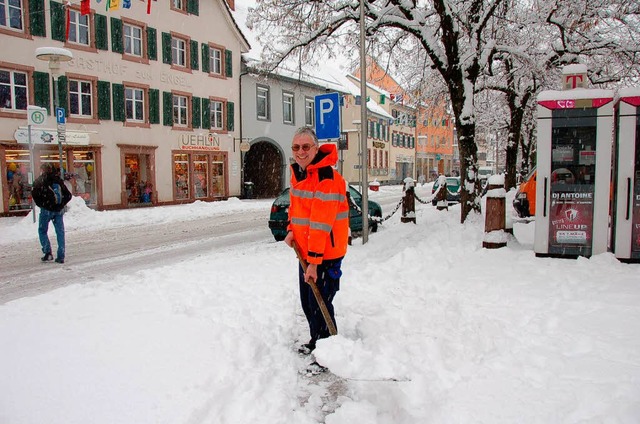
[138, 179]
[263, 167]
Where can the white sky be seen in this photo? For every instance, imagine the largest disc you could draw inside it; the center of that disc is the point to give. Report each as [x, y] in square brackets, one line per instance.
[472, 335]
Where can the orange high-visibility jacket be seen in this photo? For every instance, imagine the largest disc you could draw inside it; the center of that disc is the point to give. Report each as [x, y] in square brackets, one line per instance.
[318, 211]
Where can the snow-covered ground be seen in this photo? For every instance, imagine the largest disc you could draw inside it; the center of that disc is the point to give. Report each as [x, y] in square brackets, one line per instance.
[432, 329]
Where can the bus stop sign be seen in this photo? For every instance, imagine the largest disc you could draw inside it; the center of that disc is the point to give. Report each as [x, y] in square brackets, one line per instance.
[327, 116]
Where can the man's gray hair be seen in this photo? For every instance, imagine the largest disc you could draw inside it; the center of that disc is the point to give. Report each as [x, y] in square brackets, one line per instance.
[308, 131]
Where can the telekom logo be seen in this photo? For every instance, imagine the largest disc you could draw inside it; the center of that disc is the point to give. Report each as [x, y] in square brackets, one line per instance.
[574, 80]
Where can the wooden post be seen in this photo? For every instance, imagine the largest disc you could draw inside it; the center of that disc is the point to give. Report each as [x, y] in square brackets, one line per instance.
[408, 201]
[495, 219]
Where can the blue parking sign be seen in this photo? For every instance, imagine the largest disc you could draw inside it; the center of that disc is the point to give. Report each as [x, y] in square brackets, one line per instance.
[327, 116]
[60, 116]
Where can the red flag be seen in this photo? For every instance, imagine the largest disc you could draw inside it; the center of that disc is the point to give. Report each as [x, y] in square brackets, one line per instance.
[85, 7]
[148, 7]
[68, 13]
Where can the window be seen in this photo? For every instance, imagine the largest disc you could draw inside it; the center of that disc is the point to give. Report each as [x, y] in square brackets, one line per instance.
[263, 103]
[309, 111]
[133, 39]
[215, 60]
[80, 98]
[79, 30]
[11, 14]
[287, 108]
[180, 5]
[217, 115]
[178, 52]
[180, 110]
[134, 104]
[13, 90]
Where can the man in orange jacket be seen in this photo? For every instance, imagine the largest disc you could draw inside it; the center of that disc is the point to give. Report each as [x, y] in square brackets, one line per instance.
[319, 225]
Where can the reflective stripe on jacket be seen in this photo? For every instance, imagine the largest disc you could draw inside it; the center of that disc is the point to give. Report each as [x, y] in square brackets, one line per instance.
[319, 211]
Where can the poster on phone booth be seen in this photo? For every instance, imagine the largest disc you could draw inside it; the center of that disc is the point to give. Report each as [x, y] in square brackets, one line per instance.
[571, 220]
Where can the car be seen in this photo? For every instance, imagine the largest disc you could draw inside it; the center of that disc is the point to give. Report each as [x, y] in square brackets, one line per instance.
[453, 190]
[525, 201]
[279, 217]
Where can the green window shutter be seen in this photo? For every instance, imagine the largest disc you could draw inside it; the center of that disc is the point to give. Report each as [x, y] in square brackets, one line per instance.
[166, 48]
[230, 116]
[63, 97]
[58, 26]
[154, 106]
[228, 64]
[193, 7]
[152, 44]
[167, 111]
[102, 40]
[116, 36]
[206, 117]
[205, 58]
[41, 90]
[194, 55]
[118, 102]
[37, 22]
[195, 112]
[104, 100]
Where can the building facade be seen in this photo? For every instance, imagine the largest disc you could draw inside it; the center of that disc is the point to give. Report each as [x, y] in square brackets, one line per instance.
[149, 101]
[274, 106]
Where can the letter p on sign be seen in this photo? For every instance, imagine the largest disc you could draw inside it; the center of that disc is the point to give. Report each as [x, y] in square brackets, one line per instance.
[327, 116]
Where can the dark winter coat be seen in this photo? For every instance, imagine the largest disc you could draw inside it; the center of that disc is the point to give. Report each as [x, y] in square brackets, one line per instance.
[44, 195]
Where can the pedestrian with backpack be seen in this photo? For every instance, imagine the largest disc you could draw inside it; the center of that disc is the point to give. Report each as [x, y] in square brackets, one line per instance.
[51, 195]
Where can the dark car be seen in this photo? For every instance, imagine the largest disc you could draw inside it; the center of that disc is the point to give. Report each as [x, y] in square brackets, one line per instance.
[453, 190]
[279, 218]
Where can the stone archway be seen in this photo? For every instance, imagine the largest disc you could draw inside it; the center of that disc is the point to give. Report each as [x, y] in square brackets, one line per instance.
[263, 167]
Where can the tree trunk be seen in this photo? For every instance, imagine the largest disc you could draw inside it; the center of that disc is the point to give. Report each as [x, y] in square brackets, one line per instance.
[513, 143]
[469, 200]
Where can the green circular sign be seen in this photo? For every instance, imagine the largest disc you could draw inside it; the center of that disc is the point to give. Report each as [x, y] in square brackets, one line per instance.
[37, 117]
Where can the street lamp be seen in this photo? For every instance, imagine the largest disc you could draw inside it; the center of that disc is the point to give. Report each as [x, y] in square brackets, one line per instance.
[55, 55]
[363, 126]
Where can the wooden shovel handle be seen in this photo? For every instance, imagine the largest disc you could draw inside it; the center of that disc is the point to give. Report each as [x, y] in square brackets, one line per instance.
[316, 292]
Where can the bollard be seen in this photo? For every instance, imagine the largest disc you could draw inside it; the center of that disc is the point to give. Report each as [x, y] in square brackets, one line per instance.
[441, 196]
[495, 236]
[408, 201]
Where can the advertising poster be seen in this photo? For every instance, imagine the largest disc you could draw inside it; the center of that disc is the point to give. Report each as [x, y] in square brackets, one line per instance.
[571, 220]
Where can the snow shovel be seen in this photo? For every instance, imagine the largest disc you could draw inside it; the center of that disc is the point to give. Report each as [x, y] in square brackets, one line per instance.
[316, 293]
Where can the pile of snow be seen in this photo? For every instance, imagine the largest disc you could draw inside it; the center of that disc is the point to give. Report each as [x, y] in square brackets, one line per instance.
[432, 329]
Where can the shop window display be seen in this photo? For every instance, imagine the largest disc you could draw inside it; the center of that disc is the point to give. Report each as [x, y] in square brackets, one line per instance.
[18, 183]
[181, 175]
[200, 172]
[217, 176]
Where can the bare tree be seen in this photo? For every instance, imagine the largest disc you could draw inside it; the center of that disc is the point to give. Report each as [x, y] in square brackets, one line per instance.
[450, 32]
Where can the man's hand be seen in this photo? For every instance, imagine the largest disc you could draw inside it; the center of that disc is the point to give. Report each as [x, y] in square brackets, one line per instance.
[289, 239]
[311, 273]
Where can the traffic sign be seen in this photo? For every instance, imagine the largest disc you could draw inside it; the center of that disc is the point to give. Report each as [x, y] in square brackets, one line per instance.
[60, 118]
[36, 115]
[327, 116]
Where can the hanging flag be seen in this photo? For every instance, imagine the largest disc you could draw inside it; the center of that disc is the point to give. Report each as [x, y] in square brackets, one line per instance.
[85, 7]
[148, 7]
[113, 5]
[126, 4]
[68, 19]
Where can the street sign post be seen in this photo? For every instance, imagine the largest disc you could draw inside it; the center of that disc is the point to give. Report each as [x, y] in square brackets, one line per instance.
[327, 116]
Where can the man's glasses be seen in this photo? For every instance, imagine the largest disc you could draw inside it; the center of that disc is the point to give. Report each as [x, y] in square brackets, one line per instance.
[304, 147]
